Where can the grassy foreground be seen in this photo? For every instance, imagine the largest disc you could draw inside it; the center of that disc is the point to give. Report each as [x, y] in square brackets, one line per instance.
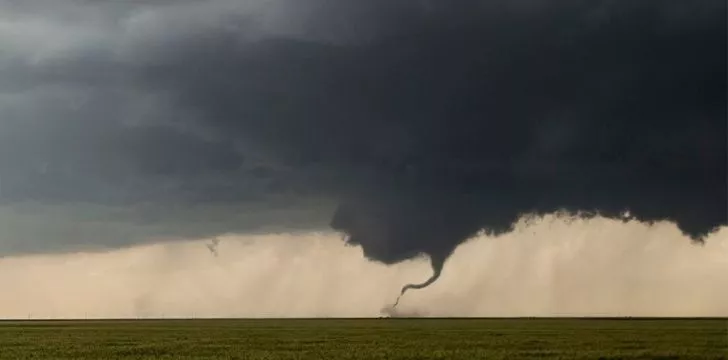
[367, 339]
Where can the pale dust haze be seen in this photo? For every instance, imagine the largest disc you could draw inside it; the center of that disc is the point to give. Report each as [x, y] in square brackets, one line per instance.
[552, 267]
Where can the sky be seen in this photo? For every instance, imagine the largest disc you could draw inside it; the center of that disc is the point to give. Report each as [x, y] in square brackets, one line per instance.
[595, 267]
[409, 128]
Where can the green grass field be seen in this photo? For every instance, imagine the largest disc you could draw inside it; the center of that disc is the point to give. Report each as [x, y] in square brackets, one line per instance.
[367, 339]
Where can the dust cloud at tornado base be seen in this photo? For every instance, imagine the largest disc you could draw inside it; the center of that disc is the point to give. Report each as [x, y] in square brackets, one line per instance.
[553, 267]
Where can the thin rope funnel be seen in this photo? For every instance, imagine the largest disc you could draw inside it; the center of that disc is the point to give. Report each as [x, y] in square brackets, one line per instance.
[437, 265]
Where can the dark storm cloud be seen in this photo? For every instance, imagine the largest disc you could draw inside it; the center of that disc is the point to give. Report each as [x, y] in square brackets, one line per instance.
[79, 136]
[451, 118]
[428, 120]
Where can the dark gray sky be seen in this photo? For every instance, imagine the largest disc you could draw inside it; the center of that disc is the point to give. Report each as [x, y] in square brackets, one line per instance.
[425, 120]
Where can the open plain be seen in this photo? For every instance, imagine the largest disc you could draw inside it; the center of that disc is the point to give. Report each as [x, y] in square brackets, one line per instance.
[393, 338]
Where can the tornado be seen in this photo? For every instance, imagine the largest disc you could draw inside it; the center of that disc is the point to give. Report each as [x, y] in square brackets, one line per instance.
[437, 265]
[424, 123]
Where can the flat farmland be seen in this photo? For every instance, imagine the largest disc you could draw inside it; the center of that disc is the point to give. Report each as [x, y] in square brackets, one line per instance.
[395, 338]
